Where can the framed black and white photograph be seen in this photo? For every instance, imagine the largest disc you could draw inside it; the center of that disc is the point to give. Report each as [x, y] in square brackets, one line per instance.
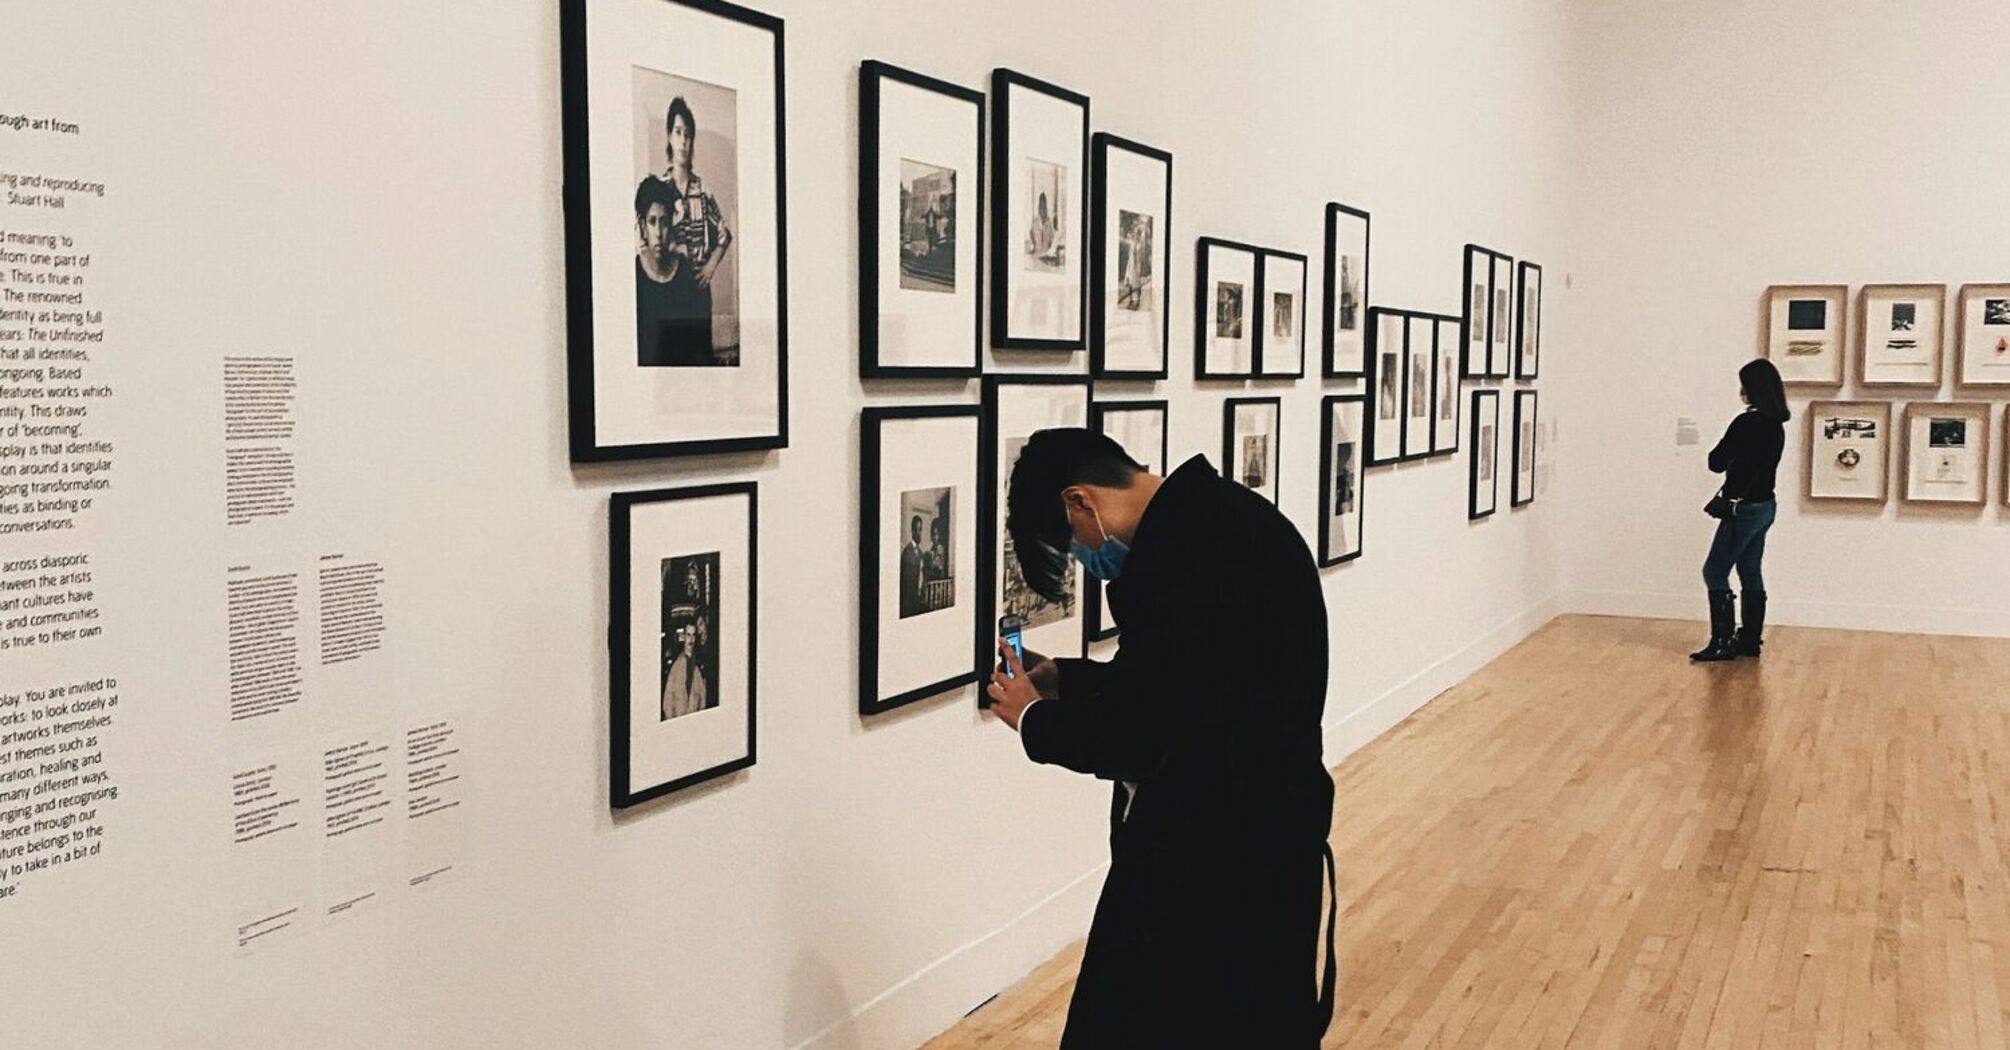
[1039, 217]
[1225, 313]
[1483, 469]
[1280, 329]
[1523, 488]
[675, 228]
[920, 228]
[1250, 452]
[1947, 452]
[1476, 313]
[1528, 321]
[1345, 332]
[1898, 334]
[1420, 337]
[1341, 421]
[1804, 332]
[1445, 399]
[1015, 408]
[1500, 326]
[921, 631]
[1140, 427]
[1983, 335]
[682, 585]
[1849, 450]
[1388, 331]
[1130, 320]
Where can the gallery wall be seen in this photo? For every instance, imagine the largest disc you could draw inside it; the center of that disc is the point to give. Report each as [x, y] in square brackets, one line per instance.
[373, 189]
[1789, 142]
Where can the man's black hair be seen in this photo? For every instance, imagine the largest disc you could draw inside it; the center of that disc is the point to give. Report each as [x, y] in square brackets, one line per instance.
[652, 190]
[1053, 460]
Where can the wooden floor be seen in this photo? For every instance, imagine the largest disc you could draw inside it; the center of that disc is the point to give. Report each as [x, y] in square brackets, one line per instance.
[1592, 843]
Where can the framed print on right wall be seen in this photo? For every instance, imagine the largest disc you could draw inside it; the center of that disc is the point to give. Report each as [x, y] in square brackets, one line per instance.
[1445, 393]
[1015, 407]
[1804, 332]
[1849, 450]
[1500, 351]
[1528, 321]
[1224, 292]
[1946, 452]
[1340, 458]
[1983, 334]
[1477, 307]
[1383, 435]
[1345, 332]
[1483, 466]
[1130, 262]
[1898, 334]
[1250, 450]
[1140, 427]
[1280, 328]
[1522, 490]
[1419, 339]
[1039, 184]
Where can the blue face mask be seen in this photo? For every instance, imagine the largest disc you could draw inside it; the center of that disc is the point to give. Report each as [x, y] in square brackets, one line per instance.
[1105, 562]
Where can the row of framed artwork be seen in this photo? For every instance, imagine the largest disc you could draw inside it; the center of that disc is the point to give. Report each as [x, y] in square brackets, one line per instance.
[1502, 318]
[1943, 452]
[1900, 333]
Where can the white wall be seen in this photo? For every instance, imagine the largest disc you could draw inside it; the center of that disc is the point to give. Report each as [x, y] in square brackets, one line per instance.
[1728, 146]
[373, 186]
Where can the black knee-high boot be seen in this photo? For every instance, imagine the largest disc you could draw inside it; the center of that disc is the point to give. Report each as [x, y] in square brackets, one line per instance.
[1723, 630]
[1754, 617]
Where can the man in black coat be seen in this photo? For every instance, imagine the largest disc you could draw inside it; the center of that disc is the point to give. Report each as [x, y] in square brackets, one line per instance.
[1208, 722]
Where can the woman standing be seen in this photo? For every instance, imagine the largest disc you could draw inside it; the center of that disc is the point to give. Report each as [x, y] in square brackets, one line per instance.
[1748, 457]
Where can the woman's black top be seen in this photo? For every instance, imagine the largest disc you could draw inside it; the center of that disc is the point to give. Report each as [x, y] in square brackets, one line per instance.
[1749, 456]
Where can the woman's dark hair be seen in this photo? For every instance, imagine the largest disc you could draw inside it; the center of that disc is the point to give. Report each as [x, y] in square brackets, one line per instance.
[1764, 390]
[680, 108]
[653, 191]
[1051, 461]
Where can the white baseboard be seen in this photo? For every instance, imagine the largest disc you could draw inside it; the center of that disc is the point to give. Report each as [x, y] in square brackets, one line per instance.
[1782, 610]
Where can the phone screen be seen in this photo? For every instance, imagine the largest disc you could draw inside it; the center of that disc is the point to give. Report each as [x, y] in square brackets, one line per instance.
[1012, 629]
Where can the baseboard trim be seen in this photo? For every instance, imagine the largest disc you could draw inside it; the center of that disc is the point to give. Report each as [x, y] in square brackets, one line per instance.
[1784, 610]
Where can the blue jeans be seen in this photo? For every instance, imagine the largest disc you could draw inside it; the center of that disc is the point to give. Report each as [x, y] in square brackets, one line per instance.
[1741, 541]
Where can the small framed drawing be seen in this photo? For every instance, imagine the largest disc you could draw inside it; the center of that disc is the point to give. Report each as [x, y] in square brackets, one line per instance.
[1225, 292]
[918, 601]
[1849, 450]
[1445, 399]
[1947, 452]
[1483, 473]
[1250, 452]
[1898, 334]
[1477, 311]
[1280, 328]
[1382, 440]
[676, 258]
[1130, 261]
[1140, 427]
[1528, 321]
[1522, 489]
[1345, 332]
[1340, 435]
[920, 233]
[1040, 146]
[1420, 333]
[1804, 332]
[681, 637]
[1014, 409]
[1500, 349]
[1983, 332]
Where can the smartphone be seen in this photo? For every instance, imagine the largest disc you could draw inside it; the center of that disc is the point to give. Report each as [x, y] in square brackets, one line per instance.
[1013, 629]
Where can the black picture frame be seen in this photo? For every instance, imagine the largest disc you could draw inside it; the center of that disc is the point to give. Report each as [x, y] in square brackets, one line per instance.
[1500, 326]
[1377, 452]
[1228, 460]
[1473, 332]
[991, 524]
[1424, 447]
[1092, 606]
[1336, 213]
[620, 510]
[1101, 145]
[1486, 409]
[583, 440]
[1202, 295]
[1527, 364]
[1263, 289]
[872, 422]
[1326, 406]
[1447, 330]
[1517, 497]
[1002, 82]
[871, 74]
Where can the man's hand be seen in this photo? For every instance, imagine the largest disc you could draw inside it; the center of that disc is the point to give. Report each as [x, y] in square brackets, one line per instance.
[1045, 674]
[1012, 694]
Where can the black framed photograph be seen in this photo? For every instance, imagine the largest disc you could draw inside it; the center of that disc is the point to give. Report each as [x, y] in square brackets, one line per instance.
[676, 238]
[1528, 321]
[1522, 491]
[922, 635]
[1420, 338]
[1130, 262]
[1225, 294]
[1250, 449]
[1015, 408]
[1500, 325]
[1446, 390]
[920, 230]
[1346, 302]
[1483, 470]
[1388, 332]
[1039, 214]
[682, 589]
[1140, 427]
[1341, 419]
[1280, 329]
[1477, 310]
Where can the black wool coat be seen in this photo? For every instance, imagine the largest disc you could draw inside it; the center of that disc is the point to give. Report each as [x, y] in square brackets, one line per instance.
[1207, 933]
